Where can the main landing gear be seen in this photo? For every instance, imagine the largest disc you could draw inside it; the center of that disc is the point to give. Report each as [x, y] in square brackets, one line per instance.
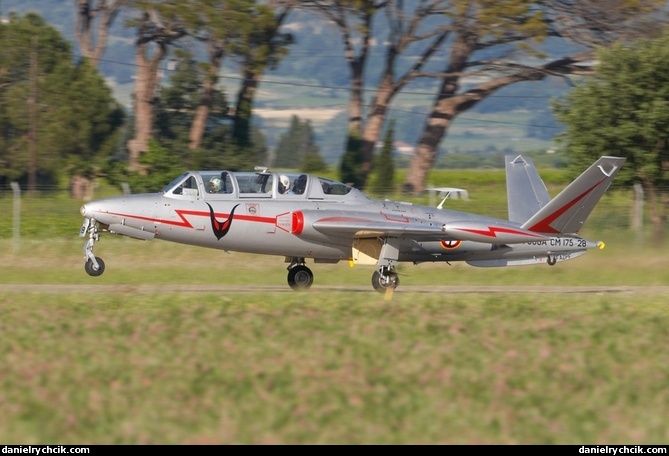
[384, 278]
[300, 276]
[93, 265]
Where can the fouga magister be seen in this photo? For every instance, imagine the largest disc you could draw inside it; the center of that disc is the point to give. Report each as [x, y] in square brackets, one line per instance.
[301, 217]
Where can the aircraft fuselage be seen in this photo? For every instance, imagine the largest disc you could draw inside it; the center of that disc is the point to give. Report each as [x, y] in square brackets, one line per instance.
[302, 216]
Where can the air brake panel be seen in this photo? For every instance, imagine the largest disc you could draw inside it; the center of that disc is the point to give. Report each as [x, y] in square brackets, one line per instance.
[366, 251]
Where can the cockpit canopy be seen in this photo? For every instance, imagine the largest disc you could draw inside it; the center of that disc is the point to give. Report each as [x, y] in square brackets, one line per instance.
[258, 184]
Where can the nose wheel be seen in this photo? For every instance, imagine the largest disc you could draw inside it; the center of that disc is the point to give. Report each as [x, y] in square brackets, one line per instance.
[94, 267]
[385, 278]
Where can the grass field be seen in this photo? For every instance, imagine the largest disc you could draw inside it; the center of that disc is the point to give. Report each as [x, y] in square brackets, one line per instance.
[327, 366]
[126, 359]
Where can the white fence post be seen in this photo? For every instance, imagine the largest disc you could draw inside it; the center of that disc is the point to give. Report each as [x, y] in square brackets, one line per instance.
[16, 188]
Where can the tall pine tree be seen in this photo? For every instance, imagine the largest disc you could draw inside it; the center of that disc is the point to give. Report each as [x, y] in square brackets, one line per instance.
[297, 148]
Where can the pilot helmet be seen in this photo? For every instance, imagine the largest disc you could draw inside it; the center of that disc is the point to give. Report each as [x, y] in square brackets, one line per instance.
[215, 184]
[284, 181]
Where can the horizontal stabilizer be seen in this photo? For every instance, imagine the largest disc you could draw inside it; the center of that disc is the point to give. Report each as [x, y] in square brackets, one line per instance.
[486, 232]
[567, 212]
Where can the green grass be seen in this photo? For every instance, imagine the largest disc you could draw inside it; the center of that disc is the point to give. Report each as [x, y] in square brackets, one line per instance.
[112, 365]
[112, 362]
[333, 368]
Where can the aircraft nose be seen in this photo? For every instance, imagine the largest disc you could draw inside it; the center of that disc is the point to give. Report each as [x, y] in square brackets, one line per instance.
[97, 209]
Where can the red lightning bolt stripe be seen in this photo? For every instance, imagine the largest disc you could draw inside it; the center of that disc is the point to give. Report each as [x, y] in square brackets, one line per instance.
[183, 222]
[543, 226]
[493, 230]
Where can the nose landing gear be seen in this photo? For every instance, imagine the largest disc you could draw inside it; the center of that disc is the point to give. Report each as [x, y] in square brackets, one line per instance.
[93, 265]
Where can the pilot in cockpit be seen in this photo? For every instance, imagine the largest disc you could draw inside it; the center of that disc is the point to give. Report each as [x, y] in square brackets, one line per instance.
[300, 184]
[215, 185]
[284, 184]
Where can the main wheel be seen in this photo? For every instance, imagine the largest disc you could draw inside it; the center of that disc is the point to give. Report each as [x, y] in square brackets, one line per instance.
[381, 285]
[92, 270]
[300, 277]
[552, 259]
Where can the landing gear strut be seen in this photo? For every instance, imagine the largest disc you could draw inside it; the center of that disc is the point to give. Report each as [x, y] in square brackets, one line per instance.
[384, 278]
[93, 265]
[300, 276]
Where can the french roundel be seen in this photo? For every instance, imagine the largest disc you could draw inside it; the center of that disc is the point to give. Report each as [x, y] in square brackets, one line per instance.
[448, 245]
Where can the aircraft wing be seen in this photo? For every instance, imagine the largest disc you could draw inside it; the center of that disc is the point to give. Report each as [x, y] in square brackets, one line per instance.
[423, 230]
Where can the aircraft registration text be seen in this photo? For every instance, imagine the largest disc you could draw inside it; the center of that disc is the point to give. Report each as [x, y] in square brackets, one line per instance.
[560, 242]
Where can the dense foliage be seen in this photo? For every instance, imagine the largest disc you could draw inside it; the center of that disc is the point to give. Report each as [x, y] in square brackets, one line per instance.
[297, 148]
[624, 111]
[57, 113]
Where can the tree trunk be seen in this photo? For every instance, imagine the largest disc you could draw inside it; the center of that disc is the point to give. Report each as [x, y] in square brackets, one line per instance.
[446, 107]
[375, 120]
[202, 112]
[436, 126]
[145, 89]
[355, 101]
[86, 16]
[242, 122]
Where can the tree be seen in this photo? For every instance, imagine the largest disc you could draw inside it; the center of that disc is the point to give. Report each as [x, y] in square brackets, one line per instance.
[406, 31]
[498, 41]
[175, 104]
[29, 51]
[350, 168]
[354, 20]
[240, 29]
[624, 110]
[297, 148]
[81, 104]
[243, 28]
[158, 27]
[54, 116]
[313, 163]
[384, 167]
[177, 107]
[263, 47]
[92, 39]
[162, 166]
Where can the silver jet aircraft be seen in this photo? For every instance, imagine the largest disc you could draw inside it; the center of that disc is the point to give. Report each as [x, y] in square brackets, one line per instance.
[300, 217]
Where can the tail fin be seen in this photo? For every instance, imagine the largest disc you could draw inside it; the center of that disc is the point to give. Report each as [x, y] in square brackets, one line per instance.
[525, 191]
[566, 213]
